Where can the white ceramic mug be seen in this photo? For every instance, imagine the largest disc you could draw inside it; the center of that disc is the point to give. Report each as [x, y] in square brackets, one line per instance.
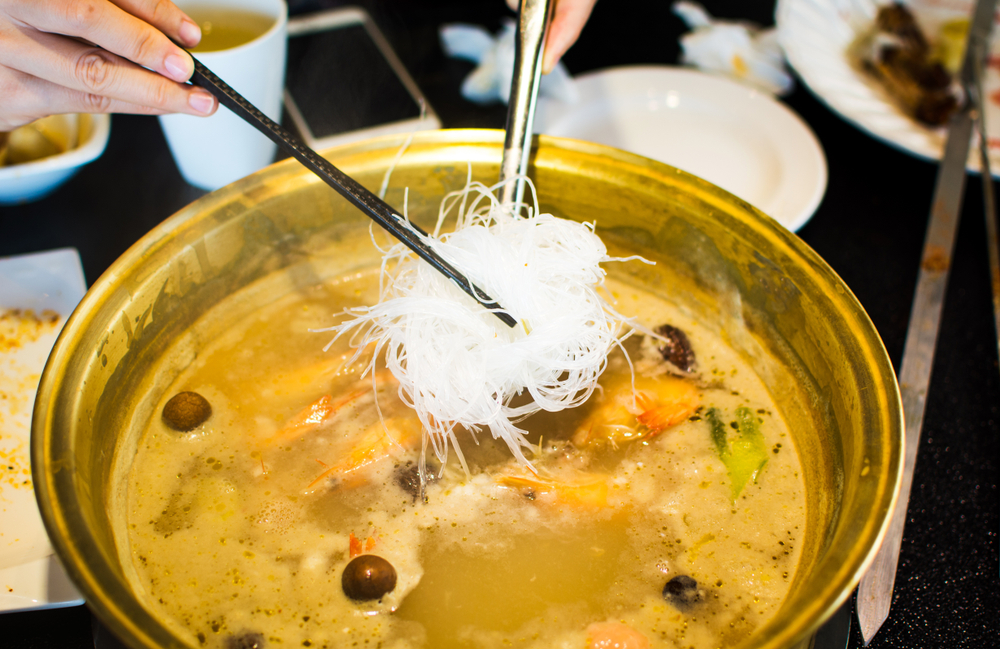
[214, 151]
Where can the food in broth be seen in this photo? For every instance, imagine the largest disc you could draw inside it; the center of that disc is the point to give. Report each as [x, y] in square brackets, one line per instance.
[295, 516]
[455, 366]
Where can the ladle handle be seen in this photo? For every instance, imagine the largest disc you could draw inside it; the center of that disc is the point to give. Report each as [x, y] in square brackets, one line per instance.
[408, 233]
[529, 44]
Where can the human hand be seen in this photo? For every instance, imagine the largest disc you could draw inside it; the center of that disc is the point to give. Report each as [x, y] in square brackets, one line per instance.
[68, 56]
[568, 19]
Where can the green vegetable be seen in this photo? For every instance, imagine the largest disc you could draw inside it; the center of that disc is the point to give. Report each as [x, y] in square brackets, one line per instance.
[745, 455]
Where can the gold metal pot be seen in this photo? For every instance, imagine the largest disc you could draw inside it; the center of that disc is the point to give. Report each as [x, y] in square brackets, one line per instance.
[763, 289]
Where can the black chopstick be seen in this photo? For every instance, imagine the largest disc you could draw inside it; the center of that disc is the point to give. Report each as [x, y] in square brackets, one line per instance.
[408, 233]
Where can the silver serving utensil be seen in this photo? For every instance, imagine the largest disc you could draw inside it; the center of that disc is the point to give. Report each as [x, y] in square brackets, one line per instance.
[875, 590]
[529, 44]
[373, 206]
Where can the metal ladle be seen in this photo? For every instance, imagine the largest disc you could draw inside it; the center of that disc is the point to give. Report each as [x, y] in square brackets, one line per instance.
[529, 44]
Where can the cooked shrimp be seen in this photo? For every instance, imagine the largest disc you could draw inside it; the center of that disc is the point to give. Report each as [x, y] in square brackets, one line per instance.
[355, 547]
[626, 415]
[614, 635]
[359, 432]
[324, 373]
[578, 489]
[380, 441]
[314, 414]
[326, 408]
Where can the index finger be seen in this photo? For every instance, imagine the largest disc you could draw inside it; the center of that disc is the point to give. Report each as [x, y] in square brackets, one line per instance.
[107, 25]
[568, 20]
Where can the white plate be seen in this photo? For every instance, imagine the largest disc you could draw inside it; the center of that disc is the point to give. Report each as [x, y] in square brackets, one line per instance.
[731, 135]
[816, 35]
[30, 575]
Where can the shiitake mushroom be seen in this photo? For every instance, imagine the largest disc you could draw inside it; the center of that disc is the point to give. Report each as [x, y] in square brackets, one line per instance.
[186, 411]
[408, 478]
[682, 592]
[368, 577]
[676, 350]
[245, 640]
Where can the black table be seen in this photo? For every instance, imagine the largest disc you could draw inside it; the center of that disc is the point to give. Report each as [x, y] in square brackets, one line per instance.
[869, 228]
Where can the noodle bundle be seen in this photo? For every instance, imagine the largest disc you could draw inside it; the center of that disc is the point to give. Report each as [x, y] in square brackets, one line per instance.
[456, 363]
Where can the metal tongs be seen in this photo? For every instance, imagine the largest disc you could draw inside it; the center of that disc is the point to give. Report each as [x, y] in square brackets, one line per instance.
[529, 44]
[875, 590]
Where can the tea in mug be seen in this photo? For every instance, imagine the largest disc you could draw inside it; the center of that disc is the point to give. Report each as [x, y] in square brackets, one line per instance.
[225, 28]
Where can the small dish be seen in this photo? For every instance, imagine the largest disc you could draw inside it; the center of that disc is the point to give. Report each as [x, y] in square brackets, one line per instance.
[816, 34]
[29, 181]
[44, 283]
[731, 135]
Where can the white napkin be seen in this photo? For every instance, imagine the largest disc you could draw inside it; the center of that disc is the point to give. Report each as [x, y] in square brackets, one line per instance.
[742, 51]
[490, 82]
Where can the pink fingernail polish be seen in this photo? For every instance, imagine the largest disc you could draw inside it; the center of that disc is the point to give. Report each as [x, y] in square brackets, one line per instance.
[177, 67]
[190, 33]
[201, 101]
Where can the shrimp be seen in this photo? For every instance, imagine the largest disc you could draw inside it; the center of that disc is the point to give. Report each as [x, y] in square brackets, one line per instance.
[323, 373]
[316, 413]
[625, 415]
[380, 441]
[343, 424]
[355, 547]
[577, 489]
[615, 635]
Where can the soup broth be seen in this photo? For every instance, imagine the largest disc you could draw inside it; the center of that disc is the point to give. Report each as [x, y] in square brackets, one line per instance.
[652, 523]
[223, 29]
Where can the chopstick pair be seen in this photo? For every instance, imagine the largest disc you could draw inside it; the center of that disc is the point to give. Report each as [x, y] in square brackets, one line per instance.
[377, 209]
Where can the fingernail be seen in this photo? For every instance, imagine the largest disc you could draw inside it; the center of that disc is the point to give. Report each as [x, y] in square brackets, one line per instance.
[201, 101]
[190, 33]
[178, 67]
[548, 64]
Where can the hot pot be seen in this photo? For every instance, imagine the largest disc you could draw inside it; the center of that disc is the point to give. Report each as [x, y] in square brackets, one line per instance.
[764, 290]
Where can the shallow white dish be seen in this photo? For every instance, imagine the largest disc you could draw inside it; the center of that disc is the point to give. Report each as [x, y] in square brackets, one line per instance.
[816, 34]
[33, 180]
[31, 576]
[731, 135]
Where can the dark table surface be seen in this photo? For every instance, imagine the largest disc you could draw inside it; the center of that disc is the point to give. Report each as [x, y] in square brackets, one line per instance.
[869, 228]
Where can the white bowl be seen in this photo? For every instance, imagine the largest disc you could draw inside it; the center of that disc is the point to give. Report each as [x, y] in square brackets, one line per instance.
[30, 181]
